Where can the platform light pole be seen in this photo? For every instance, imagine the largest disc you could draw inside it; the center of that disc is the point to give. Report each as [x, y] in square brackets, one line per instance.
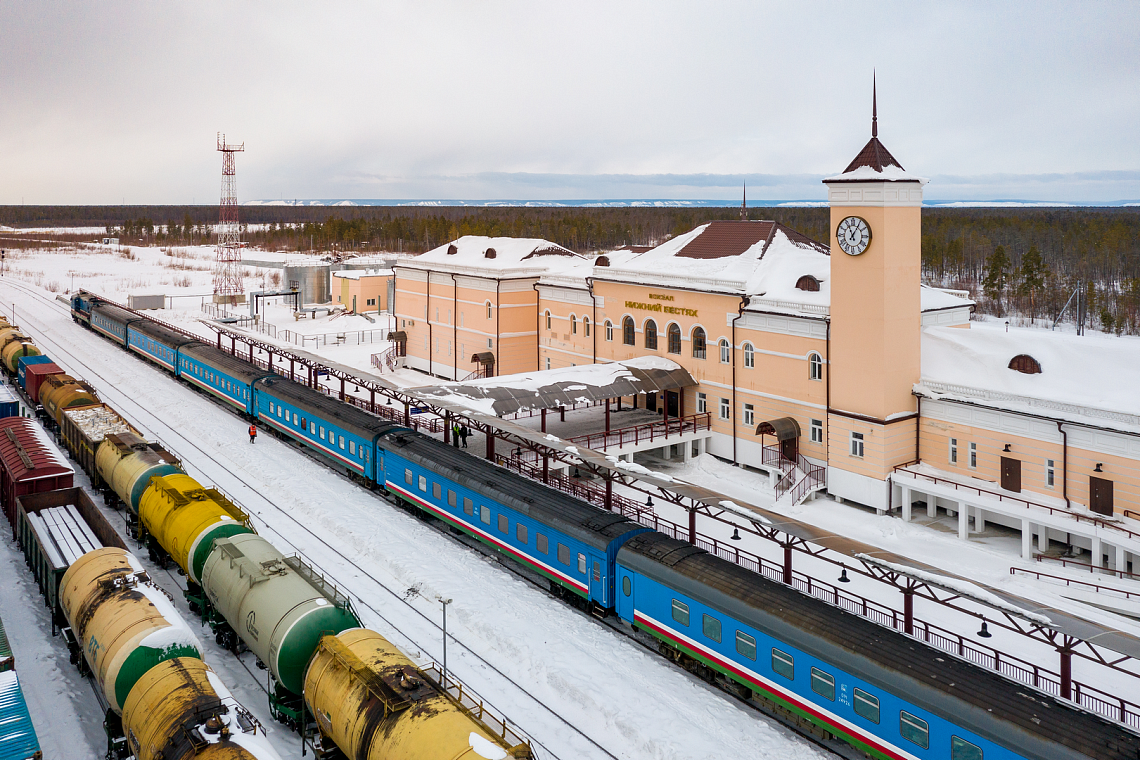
[444, 602]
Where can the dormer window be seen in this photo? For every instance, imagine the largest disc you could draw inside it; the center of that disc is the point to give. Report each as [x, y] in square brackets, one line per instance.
[602, 261]
[452, 249]
[808, 283]
[1025, 364]
[490, 253]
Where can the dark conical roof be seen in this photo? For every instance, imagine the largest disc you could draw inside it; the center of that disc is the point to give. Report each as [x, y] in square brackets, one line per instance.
[874, 155]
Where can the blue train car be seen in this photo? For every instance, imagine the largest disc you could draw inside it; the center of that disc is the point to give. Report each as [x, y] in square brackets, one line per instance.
[81, 304]
[569, 542]
[111, 321]
[885, 693]
[157, 343]
[9, 402]
[22, 367]
[219, 374]
[341, 432]
[18, 740]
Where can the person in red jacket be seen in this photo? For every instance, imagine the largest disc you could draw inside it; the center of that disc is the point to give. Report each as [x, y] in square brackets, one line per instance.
[252, 433]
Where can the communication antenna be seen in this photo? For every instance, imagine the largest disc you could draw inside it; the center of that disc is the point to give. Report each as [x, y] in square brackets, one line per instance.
[228, 285]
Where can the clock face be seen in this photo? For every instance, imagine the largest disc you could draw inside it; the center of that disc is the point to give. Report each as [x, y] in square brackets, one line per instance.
[854, 235]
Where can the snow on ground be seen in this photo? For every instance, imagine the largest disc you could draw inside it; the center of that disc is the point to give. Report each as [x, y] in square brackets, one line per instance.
[630, 701]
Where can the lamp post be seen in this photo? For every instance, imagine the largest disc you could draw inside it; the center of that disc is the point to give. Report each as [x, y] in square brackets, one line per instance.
[444, 602]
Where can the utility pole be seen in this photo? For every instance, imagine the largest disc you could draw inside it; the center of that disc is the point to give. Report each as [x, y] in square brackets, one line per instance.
[444, 602]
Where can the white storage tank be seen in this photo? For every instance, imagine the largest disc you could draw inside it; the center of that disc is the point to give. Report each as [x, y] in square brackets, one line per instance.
[313, 280]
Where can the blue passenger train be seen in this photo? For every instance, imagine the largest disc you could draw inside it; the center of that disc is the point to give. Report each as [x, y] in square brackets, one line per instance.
[884, 693]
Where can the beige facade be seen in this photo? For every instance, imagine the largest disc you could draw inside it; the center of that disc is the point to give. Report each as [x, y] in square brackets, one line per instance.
[362, 290]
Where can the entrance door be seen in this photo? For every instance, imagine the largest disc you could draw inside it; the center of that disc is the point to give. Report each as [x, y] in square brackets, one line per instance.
[1011, 474]
[651, 402]
[1100, 496]
[790, 448]
[671, 405]
[598, 584]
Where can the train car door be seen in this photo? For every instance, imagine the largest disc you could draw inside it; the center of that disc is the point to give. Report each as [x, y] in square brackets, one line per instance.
[625, 603]
[598, 582]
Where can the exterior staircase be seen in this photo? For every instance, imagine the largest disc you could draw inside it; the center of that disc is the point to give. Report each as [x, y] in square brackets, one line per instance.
[799, 479]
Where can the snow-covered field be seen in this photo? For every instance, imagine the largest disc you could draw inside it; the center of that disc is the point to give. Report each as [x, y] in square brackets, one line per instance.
[577, 687]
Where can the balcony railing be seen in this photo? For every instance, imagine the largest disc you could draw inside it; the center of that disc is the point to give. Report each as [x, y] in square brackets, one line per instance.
[645, 433]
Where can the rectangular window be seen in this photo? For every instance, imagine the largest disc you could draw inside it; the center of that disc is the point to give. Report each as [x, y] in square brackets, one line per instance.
[953, 451]
[866, 706]
[504, 524]
[725, 409]
[582, 563]
[437, 490]
[451, 498]
[352, 447]
[408, 477]
[960, 749]
[485, 515]
[681, 612]
[973, 455]
[914, 730]
[1050, 473]
[711, 627]
[748, 414]
[783, 664]
[702, 403]
[340, 442]
[563, 555]
[548, 362]
[423, 484]
[817, 431]
[271, 407]
[746, 645]
[468, 506]
[322, 429]
[520, 533]
[857, 445]
[541, 543]
[823, 684]
[312, 428]
[296, 419]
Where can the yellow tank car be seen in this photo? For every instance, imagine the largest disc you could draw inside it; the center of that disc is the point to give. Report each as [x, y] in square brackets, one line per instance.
[125, 624]
[185, 519]
[370, 700]
[181, 709]
[59, 392]
[15, 350]
[127, 463]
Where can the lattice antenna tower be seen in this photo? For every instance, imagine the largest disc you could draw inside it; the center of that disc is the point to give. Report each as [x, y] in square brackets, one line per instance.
[228, 284]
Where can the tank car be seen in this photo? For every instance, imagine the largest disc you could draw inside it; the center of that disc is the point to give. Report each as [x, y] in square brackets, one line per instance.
[60, 392]
[15, 345]
[375, 704]
[278, 606]
[124, 623]
[127, 462]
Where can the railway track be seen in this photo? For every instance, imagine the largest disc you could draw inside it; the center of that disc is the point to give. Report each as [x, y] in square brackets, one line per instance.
[251, 495]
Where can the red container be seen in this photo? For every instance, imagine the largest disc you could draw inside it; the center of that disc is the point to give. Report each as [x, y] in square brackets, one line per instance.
[35, 374]
[29, 463]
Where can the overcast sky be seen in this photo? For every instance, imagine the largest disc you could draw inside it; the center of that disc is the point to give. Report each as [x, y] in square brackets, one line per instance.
[113, 102]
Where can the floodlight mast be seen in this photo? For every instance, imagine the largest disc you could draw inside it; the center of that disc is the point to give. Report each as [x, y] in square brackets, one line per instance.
[228, 284]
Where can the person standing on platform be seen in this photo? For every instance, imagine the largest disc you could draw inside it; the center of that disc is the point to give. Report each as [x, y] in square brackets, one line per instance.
[252, 433]
[463, 433]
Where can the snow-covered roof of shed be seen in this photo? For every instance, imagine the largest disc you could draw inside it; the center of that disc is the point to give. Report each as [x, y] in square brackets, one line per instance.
[511, 256]
[549, 389]
[1090, 379]
[356, 274]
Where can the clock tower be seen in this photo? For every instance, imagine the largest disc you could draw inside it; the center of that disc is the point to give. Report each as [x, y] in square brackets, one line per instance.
[876, 320]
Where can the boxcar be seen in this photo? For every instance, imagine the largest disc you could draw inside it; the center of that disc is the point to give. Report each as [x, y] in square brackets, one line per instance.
[29, 463]
[112, 321]
[33, 377]
[9, 402]
[219, 374]
[569, 542]
[83, 429]
[157, 343]
[340, 431]
[18, 739]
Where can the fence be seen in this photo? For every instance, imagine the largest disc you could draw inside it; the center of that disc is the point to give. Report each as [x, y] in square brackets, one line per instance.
[647, 432]
[1070, 582]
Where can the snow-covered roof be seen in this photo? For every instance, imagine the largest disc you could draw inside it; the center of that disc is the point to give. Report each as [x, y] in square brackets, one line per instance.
[496, 256]
[1089, 378]
[356, 274]
[875, 164]
[936, 299]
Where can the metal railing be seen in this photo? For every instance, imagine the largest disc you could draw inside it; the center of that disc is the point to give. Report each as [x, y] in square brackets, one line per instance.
[1070, 582]
[1065, 562]
[1057, 406]
[648, 432]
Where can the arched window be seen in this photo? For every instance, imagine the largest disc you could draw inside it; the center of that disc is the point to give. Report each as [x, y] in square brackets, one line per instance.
[808, 283]
[651, 335]
[1026, 364]
[699, 343]
[627, 331]
[749, 356]
[725, 352]
[488, 310]
[609, 330]
[815, 367]
[674, 339]
[586, 326]
[573, 325]
[548, 319]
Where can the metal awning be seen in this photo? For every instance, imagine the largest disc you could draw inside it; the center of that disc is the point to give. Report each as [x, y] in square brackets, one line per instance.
[785, 428]
[486, 358]
[550, 389]
[399, 336]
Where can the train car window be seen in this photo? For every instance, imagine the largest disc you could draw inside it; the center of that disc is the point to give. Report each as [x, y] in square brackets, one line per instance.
[914, 730]
[823, 684]
[626, 586]
[467, 505]
[408, 477]
[322, 429]
[520, 533]
[437, 490]
[352, 448]
[746, 645]
[783, 664]
[960, 749]
[540, 542]
[681, 612]
[423, 484]
[304, 423]
[271, 407]
[451, 498]
[866, 706]
[711, 627]
[504, 524]
[563, 555]
[597, 570]
[582, 563]
[296, 419]
[485, 515]
[341, 443]
[312, 428]
[279, 408]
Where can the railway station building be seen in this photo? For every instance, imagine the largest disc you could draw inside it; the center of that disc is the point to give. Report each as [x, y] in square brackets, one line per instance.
[828, 365]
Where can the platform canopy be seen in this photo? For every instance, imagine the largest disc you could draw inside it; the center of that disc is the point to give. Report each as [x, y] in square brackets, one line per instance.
[552, 388]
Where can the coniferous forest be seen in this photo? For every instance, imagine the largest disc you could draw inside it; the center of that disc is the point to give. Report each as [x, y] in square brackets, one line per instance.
[1019, 263]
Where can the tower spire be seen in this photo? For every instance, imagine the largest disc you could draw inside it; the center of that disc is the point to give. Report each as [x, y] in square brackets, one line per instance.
[874, 106]
[744, 204]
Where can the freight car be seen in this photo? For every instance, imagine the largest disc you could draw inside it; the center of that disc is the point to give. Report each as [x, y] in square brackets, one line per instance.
[15, 345]
[29, 463]
[126, 463]
[18, 739]
[60, 392]
[27, 362]
[82, 430]
[9, 402]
